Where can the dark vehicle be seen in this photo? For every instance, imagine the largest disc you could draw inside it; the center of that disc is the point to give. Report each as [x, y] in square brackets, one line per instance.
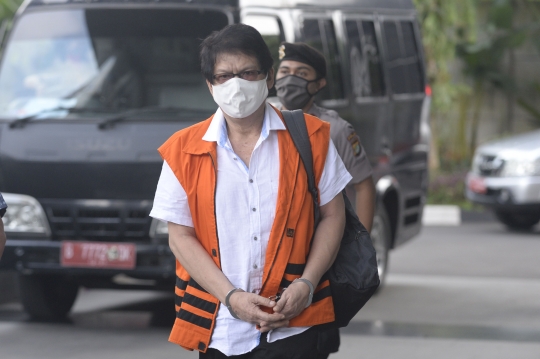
[89, 90]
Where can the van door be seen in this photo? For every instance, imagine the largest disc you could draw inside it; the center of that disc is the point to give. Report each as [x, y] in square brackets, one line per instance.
[318, 31]
[270, 26]
[369, 96]
[407, 83]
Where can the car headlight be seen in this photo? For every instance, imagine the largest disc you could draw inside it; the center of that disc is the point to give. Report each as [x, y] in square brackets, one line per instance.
[25, 216]
[159, 230]
[521, 168]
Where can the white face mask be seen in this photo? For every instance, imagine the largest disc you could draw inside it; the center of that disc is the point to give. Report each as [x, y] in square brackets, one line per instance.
[239, 98]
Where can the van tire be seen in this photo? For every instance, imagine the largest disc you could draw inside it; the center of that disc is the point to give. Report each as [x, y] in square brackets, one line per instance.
[381, 236]
[47, 297]
[518, 220]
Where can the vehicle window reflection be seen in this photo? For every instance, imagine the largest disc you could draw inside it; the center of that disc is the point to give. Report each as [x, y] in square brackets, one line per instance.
[110, 59]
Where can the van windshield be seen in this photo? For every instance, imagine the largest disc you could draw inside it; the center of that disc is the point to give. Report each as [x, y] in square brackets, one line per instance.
[105, 60]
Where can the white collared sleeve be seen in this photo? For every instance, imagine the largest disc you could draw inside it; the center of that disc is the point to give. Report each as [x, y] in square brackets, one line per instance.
[334, 177]
[171, 202]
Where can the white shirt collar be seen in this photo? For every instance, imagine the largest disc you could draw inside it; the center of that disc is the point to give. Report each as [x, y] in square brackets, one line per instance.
[217, 131]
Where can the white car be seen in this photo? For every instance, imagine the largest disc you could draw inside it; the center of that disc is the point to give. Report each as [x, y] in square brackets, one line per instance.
[505, 176]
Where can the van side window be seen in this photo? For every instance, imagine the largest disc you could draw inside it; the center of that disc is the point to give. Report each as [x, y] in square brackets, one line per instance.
[271, 30]
[321, 35]
[365, 62]
[402, 55]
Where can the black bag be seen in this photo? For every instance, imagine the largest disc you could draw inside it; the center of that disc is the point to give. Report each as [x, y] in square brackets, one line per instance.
[353, 276]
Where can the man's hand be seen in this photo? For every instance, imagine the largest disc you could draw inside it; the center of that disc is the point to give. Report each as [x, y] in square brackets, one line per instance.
[293, 300]
[247, 307]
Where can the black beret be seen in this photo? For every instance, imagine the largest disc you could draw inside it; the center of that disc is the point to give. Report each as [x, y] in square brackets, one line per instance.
[303, 53]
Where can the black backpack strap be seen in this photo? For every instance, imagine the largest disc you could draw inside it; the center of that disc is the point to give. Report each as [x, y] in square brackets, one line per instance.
[296, 124]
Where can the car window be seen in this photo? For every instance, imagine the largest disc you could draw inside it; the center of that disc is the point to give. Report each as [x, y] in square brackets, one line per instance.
[271, 30]
[404, 66]
[321, 35]
[366, 68]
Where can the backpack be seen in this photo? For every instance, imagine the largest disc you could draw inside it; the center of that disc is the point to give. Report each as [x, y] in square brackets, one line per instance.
[354, 277]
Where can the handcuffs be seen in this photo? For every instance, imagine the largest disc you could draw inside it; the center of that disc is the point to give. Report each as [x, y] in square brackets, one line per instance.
[275, 298]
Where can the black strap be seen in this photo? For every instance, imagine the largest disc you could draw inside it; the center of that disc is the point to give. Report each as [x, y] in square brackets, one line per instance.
[296, 124]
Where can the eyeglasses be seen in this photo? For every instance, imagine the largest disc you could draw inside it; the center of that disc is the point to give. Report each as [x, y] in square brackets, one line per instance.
[249, 75]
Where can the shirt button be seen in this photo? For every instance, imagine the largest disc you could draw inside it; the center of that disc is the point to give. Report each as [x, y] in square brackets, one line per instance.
[255, 238]
[255, 266]
[254, 209]
[250, 181]
[254, 291]
[235, 158]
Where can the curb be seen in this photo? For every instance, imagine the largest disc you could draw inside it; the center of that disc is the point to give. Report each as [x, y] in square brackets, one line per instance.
[450, 215]
[441, 215]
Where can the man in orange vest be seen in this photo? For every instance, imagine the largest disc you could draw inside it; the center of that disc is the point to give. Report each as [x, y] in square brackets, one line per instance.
[250, 263]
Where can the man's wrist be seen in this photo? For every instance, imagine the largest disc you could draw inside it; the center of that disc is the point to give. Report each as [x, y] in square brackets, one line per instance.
[310, 286]
[228, 303]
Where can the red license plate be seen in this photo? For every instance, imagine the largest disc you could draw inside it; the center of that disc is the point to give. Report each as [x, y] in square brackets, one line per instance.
[477, 185]
[98, 255]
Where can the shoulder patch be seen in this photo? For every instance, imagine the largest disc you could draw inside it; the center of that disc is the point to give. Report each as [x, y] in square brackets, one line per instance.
[354, 140]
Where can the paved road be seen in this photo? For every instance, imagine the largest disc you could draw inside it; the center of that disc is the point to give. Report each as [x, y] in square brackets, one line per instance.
[454, 292]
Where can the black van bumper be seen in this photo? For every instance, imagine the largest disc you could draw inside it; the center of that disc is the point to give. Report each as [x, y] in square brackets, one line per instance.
[155, 263]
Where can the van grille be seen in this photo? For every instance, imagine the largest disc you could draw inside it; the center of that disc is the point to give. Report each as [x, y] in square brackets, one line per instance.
[117, 221]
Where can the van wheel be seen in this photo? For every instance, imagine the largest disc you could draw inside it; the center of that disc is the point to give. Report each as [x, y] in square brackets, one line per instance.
[381, 237]
[47, 297]
[518, 220]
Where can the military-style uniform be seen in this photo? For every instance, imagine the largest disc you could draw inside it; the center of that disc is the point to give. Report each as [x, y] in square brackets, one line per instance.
[347, 144]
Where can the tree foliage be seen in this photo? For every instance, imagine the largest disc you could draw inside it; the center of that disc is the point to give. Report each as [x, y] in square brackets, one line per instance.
[484, 35]
[445, 24]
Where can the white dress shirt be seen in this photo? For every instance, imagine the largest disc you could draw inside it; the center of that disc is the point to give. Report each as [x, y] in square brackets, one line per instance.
[246, 199]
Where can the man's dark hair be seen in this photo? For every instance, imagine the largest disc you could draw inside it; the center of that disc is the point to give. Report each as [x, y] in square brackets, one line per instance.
[234, 39]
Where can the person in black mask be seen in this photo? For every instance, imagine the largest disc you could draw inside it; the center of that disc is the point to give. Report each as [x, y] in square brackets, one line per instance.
[300, 76]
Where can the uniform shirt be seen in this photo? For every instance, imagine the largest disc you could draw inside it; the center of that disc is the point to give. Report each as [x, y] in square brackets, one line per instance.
[245, 208]
[348, 146]
[347, 143]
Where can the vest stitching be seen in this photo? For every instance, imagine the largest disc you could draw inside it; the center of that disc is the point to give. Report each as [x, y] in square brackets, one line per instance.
[194, 319]
[321, 294]
[178, 300]
[196, 285]
[200, 303]
[295, 269]
[181, 284]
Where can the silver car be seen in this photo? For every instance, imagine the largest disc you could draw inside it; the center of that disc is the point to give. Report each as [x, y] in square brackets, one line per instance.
[505, 176]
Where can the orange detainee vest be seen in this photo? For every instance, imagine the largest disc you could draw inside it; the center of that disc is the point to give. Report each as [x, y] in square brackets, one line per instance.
[193, 161]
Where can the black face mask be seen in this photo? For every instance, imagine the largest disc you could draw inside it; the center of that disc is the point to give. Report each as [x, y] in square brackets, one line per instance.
[293, 91]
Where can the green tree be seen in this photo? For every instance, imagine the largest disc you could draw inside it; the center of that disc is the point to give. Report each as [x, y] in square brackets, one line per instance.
[490, 62]
[7, 10]
[445, 24]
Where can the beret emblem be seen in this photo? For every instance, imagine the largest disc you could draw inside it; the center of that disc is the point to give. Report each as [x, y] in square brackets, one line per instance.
[281, 52]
